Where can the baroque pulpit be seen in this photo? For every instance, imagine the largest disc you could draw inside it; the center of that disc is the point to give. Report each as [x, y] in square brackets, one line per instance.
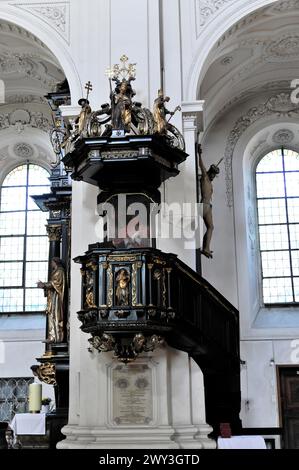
[157, 354]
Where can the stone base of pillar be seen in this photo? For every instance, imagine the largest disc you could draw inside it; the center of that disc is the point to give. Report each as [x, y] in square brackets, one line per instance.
[164, 437]
[203, 431]
[189, 437]
[101, 438]
[155, 402]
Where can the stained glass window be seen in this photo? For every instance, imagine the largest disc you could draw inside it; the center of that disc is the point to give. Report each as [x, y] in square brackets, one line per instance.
[277, 184]
[23, 240]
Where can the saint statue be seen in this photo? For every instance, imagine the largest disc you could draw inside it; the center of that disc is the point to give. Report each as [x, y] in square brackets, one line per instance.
[160, 112]
[82, 120]
[89, 290]
[122, 289]
[121, 106]
[206, 187]
[54, 291]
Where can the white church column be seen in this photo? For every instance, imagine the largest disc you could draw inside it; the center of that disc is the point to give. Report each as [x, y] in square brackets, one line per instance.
[198, 408]
[117, 413]
[107, 408]
[187, 402]
[192, 116]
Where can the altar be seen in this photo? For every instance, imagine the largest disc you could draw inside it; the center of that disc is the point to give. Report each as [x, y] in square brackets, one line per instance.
[28, 423]
[29, 431]
[241, 442]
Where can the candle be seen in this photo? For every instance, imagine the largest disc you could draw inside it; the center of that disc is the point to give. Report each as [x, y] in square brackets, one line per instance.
[35, 397]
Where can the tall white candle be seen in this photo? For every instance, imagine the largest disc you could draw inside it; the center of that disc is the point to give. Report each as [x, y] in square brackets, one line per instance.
[35, 397]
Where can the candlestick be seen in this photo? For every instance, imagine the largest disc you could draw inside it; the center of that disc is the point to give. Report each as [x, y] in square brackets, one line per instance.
[35, 397]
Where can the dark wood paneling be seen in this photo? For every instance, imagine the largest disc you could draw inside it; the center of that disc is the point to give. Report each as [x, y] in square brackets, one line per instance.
[289, 402]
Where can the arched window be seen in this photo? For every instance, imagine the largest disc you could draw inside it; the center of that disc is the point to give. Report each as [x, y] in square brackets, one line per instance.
[23, 240]
[277, 185]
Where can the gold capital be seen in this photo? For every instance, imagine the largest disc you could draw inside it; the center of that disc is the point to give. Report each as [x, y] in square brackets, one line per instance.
[54, 232]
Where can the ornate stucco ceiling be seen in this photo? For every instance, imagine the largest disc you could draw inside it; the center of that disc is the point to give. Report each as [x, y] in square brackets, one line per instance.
[29, 71]
[27, 66]
[259, 53]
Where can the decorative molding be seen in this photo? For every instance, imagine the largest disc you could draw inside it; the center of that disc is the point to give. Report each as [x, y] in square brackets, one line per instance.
[189, 117]
[283, 137]
[206, 9]
[192, 114]
[241, 25]
[23, 150]
[25, 99]
[274, 10]
[260, 147]
[46, 373]
[13, 28]
[55, 14]
[54, 232]
[190, 122]
[21, 118]
[282, 85]
[278, 105]
[117, 154]
[283, 6]
[26, 65]
[283, 49]
[192, 106]
[278, 86]
[227, 60]
[251, 230]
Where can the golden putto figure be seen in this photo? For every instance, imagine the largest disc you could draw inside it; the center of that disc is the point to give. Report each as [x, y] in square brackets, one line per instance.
[54, 291]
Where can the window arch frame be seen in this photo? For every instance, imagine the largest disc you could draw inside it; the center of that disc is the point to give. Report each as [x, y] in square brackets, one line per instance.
[25, 235]
[10, 168]
[261, 277]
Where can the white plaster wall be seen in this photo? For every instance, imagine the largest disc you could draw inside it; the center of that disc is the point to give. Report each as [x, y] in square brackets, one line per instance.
[84, 220]
[271, 339]
[221, 271]
[18, 357]
[259, 379]
[234, 260]
[259, 390]
[18, 354]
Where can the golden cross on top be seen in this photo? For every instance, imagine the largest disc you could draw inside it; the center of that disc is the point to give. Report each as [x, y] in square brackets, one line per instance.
[88, 87]
[124, 71]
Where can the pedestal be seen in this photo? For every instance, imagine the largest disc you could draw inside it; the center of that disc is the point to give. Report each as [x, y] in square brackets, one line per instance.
[136, 405]
[54, 370]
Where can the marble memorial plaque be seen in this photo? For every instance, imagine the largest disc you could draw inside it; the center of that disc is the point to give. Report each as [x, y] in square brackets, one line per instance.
[132, 394]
